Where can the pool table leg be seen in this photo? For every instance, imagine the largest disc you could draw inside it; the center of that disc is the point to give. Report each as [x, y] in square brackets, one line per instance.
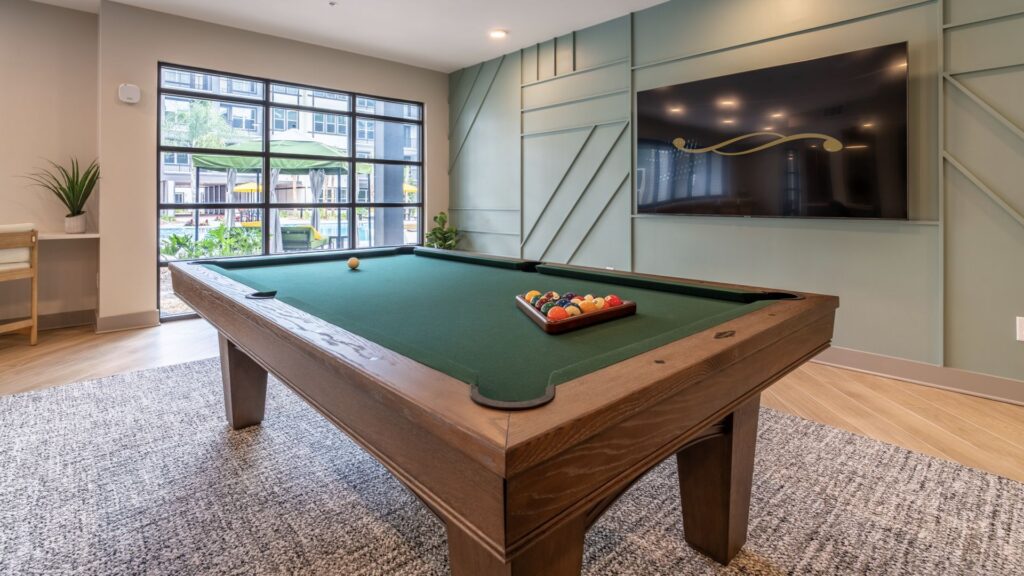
[245, 386]
[559, 552]
[715, 477]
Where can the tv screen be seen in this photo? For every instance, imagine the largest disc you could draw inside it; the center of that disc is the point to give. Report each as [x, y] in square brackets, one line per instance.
[822, 138]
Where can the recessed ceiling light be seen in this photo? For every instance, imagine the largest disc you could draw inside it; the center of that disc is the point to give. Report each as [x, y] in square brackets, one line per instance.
[777, 115]
[868, 125]
[728, 121]
[498, 34]
[332, 3]
[676, 109]
[769, 128]
[727, 103]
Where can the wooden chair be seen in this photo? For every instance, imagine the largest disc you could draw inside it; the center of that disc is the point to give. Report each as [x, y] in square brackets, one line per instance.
[19, 260]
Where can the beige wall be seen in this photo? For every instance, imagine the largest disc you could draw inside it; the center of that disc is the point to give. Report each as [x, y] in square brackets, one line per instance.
[132, 41]
[48, 60]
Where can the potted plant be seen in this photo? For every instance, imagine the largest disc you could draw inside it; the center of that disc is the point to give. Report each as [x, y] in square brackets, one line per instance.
[442, 236]
[72, 187]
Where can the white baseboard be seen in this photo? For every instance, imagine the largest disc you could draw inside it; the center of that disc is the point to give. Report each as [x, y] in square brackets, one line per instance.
[973, 383]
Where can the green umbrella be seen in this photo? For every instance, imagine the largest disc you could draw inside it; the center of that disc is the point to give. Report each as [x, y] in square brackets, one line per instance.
[285, 165]
[226, 163]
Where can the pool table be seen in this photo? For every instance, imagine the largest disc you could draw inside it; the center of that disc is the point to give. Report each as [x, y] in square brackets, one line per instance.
[517, 439]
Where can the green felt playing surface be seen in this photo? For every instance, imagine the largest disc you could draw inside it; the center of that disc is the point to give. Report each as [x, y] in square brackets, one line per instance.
[459, 316]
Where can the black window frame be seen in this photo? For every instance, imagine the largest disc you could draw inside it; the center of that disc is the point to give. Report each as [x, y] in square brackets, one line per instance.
[266, 154]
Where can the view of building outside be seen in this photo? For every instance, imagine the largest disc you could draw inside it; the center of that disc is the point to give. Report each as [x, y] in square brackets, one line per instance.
[250, 167]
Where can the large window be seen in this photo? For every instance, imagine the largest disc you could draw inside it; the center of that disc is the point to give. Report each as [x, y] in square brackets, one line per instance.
[249, 166]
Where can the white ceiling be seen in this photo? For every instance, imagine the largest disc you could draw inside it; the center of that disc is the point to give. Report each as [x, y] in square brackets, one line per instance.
[442, 35]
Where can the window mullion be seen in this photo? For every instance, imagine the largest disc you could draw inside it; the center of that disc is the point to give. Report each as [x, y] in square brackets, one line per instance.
[234, 98]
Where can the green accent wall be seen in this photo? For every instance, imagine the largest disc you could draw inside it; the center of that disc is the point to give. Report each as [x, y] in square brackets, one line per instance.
[550, 175]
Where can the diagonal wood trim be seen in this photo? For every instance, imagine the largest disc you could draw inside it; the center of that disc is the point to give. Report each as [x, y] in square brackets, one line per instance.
[576, 100]
[574, 127]
[987, 69]
[995, 114]
[557, 186]
[458, 114]
[583, 192]
[476, 115]
[992, 194]
[598, 219]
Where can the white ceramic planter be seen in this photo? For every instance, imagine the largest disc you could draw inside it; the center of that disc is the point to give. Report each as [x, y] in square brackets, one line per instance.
[74, 224]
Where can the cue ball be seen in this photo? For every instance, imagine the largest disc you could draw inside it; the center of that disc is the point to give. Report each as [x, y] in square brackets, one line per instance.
[353, 263]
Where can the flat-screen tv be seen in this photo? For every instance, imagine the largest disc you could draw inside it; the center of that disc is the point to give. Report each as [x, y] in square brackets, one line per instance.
[823, 138]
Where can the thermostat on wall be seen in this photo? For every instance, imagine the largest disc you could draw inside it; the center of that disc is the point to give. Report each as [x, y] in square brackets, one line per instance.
[129, 93]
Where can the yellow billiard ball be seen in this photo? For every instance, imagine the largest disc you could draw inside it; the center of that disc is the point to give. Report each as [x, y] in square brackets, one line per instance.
[353, 263]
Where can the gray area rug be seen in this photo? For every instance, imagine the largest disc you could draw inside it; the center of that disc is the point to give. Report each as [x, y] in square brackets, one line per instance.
[138, 474]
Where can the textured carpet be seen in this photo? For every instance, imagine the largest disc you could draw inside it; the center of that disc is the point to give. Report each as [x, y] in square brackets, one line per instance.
[138, 474]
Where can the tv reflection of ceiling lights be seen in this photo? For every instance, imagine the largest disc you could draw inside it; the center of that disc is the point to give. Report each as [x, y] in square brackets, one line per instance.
[824, 138]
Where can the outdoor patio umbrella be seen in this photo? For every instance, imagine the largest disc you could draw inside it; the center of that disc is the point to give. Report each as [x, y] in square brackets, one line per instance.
[316, 167]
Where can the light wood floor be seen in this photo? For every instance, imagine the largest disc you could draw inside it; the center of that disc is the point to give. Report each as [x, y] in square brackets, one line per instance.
[973, 431]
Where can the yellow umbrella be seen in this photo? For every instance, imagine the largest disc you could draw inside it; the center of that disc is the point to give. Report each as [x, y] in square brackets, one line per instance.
[407, 188]
[248, 188]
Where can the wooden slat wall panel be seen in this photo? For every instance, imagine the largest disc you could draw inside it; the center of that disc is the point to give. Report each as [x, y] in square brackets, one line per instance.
[589, 112]
[531, 71]
[978, 47]
[483, 220]
[686, 40]
[601, 44]
[485, 134]
[983, 151]
[1003, 90]
[582, 85]
[546, 60]
[596, 172]
[565, 54]
[683, 28]
[964, 11]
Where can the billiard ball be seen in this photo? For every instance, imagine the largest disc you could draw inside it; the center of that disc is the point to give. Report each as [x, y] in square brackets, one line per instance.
[353, 263]
[547, 307]
[573, 310]
[599, 303]
[557, 313]
[529, 295]
[533, 301]
[612, 301]
[586, 306]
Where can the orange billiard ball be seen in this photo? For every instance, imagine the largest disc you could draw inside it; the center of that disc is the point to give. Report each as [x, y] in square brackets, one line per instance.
[557, 313]
[353, 263]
